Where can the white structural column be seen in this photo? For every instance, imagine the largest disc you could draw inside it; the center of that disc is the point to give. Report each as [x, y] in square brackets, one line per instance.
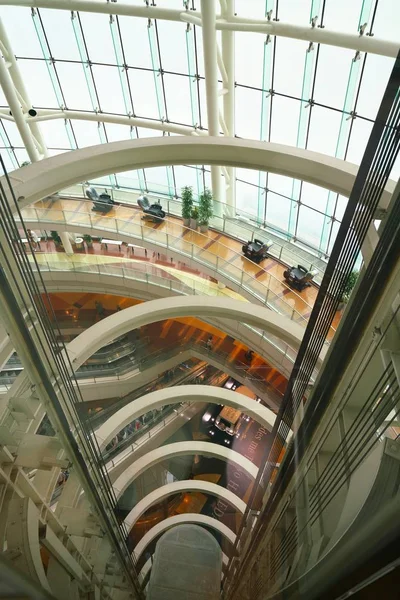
[20, 105]
[211, 73]
[16, 110]
[178, 520]
[66, 242]
[20, 89]
[228, 58]
[177, 487]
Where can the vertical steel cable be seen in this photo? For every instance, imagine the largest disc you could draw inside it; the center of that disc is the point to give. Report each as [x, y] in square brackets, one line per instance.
[379, 157]
[21, 287]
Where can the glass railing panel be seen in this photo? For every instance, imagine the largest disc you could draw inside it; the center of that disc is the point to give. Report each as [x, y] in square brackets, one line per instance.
[256, 288]
[133, 274]
[76, 218]
[206, 257]
[169, 284]
[155, 236]
[282, 307]
[236, 230]
[116, 271]
[85, 268]
[44, 215]
[130, 227]
[104, 223]
[241, 226]
[223, 250]
[212, 253]
[180, 245]
[232, 270]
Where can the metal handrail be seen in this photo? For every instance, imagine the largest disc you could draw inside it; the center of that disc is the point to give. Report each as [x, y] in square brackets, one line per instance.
[174, 286]
[147, 234]
[242, 219]
[25, 310]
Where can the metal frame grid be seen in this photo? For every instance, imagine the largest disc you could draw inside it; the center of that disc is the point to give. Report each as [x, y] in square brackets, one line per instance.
[295, 212]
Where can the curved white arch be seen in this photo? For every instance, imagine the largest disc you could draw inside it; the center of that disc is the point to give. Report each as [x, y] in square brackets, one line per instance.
[103, 332]
[86, 282]
[188, 485]
[45, 177]
[177, 520]
[175, 395]
[181, 449]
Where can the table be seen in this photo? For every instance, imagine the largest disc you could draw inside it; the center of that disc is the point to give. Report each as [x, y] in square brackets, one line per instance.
[105, 243]
[133, 246]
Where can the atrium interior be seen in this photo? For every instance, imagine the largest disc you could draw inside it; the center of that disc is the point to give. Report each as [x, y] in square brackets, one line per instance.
[162, 167]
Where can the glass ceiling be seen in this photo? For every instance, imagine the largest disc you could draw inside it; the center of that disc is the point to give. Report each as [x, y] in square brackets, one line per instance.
[288, 91]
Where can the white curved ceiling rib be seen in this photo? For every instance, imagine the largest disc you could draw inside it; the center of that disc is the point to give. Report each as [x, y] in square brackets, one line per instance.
[50, 175]
[87, 282]
[178, 520]
[176, 449]
[103, 332]
[175, 395]
[189, 485]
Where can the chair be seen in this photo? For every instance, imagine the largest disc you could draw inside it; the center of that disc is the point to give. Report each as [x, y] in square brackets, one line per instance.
[151, 211]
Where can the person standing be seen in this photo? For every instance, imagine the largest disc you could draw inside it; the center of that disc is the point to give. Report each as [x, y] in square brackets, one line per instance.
[34, 239]
[99, 309]
[209, 342]
[249, 355]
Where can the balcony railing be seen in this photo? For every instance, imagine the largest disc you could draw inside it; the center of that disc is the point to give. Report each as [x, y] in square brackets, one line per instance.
[268, 291]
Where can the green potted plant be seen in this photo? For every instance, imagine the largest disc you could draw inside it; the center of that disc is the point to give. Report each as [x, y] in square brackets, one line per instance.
[56, 239]
[88, 240]
[348, 288]
[187, 204]
[205, 209]
[194, 217]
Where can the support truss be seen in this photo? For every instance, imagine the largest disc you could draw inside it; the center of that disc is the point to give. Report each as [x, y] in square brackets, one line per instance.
[18, 100]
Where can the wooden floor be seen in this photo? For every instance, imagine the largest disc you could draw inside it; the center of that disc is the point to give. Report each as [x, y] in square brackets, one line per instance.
[210, 245]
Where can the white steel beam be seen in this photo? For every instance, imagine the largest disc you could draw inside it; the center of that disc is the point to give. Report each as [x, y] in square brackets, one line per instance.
[211, 73]
[221, 66]
[228, 57]
[20, 90]
[50, 115]
[318, 35]
[363, 43]
[15, 107]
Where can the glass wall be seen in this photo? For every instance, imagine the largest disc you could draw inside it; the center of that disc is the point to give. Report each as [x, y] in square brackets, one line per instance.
[287, 91]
